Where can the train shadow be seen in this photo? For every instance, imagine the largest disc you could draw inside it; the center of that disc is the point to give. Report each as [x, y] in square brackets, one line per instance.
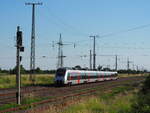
[40, 85]
[50, 85]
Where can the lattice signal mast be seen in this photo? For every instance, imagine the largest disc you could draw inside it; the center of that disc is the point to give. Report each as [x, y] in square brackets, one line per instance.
[32, 57]
[60, 53]
[60, 56]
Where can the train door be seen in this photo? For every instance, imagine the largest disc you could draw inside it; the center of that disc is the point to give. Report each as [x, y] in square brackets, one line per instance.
[99, 77]
[78, 79]
[88, 77]
[103, 77]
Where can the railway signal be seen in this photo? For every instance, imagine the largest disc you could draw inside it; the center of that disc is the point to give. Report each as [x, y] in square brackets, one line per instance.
[20, 48]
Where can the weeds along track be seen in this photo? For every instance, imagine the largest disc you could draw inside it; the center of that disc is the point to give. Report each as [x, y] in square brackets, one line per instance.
[55, 94]
[9, 95]
[51, 91]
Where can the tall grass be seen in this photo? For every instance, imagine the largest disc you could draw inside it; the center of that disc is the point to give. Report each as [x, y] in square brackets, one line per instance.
[131, 75]
[9, 81]
[118, 104]
[116, 100]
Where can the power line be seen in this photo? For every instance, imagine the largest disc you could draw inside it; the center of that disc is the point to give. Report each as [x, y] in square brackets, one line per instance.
[119, 47]
[67, 25]
[78, 43]
[124, 31]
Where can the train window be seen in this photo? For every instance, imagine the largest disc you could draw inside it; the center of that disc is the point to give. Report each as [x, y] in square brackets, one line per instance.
[69, 76]
[75, 77]
[83, 77]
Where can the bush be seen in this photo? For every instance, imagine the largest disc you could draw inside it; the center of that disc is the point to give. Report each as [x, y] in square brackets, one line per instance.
[142, 102]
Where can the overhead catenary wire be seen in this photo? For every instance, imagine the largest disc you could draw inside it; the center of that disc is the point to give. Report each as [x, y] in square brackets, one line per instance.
[125, 31]
[60, 22]
[79, 43]
[69, 27]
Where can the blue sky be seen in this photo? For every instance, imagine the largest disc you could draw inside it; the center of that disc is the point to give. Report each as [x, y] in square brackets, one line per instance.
[77, 20]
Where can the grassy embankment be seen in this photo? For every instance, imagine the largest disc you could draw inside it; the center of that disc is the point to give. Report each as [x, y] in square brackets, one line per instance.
[9, 81]
[116, 100]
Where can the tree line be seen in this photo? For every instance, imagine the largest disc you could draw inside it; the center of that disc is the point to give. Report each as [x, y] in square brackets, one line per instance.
[24, 71]
[78, 67]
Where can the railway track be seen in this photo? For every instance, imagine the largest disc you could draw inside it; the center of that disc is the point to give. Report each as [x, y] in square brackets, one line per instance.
[66, 92]
[52, 90]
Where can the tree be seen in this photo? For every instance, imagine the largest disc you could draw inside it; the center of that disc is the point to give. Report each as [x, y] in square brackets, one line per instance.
[78, 67]
[99, 67]
[106, 69]
[38, 70]
[14, 70]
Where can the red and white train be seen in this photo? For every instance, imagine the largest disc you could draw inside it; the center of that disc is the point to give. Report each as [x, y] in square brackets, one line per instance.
[66, 76]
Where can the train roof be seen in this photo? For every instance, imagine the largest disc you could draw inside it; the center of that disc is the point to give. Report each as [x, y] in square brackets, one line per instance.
[89, 71]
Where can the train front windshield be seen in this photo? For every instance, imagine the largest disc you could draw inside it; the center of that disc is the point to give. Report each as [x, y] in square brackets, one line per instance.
[61, 72]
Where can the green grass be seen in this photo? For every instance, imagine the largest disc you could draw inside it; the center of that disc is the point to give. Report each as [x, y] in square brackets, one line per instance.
[115, 91]
[118, 104]
[9, 81]
[6, 106]
[118, 100]
[28, 100]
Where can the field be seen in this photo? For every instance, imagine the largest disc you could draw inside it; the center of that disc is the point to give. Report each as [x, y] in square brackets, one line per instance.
[130, 75]
[9, 81]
